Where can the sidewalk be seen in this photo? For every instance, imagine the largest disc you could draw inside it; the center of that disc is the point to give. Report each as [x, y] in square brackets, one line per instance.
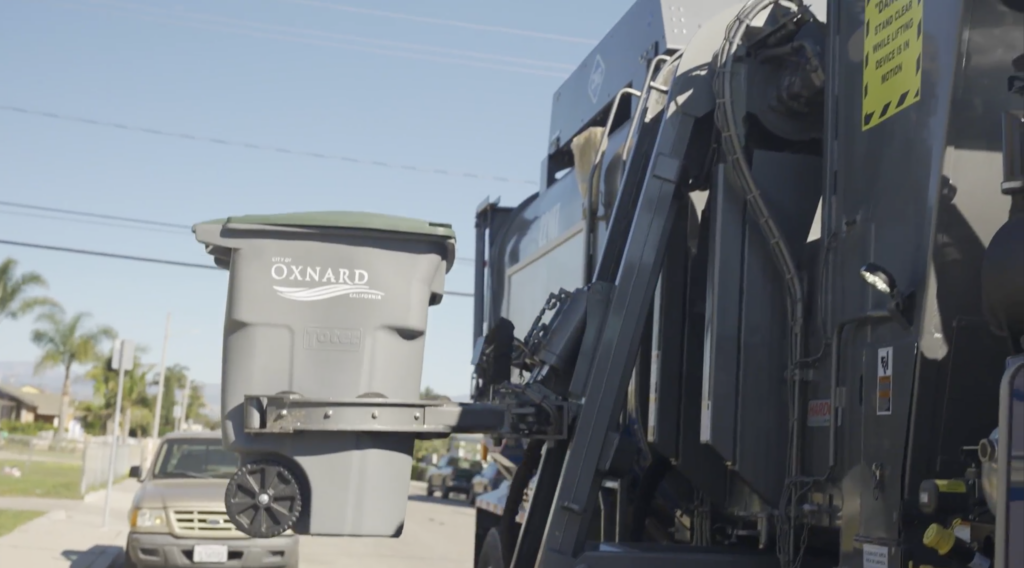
[71, 535]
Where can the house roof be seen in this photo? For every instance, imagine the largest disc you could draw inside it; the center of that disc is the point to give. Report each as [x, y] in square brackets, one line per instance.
[45, 403]
[17, 394]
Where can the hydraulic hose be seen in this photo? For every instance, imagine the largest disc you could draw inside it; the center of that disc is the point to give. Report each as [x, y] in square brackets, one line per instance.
[733, 150]
[516, 491]
[646, 491]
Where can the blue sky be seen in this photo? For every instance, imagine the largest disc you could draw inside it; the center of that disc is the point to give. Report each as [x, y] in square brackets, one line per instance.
[459, 85]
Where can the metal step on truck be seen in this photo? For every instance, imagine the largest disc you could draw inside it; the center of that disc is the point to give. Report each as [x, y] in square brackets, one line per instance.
[765, 310]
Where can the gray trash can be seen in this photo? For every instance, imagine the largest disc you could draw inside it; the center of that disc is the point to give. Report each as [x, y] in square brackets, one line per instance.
[324, 311]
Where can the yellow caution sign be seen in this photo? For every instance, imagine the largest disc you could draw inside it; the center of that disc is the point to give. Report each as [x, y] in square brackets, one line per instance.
[893, 39]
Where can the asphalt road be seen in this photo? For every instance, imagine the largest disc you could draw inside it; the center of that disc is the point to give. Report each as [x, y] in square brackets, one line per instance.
[438, 534]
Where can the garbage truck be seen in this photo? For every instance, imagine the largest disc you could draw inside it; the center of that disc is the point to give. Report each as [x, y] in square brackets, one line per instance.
[766, 308]
[792, 340]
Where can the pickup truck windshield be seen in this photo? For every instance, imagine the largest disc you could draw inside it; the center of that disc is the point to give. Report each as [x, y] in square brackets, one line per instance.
[200, 459]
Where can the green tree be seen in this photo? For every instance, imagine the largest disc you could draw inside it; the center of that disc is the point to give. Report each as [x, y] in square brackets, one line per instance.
[196, 402]
[66, 342]
[175, 378]
[429, 393]
[94, 417]
[136, 401]
[16, 299]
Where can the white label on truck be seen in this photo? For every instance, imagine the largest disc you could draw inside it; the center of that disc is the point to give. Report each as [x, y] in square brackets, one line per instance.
[596, 79]
[819, 413]
[876, 556]
[883, 391]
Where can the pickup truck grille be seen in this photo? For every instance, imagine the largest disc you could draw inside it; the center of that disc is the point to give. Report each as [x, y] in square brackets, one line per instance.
[203, 524]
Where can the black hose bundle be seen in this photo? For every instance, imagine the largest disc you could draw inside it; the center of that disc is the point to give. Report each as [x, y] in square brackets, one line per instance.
[516, 490]
[646, 490]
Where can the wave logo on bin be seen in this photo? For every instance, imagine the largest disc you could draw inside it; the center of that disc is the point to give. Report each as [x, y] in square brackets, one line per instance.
[330, 282]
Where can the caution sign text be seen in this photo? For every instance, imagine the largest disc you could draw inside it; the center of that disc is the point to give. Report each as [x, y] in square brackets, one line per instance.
[893, 39]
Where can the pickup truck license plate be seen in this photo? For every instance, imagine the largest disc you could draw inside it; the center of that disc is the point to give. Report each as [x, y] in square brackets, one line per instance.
[215, 553]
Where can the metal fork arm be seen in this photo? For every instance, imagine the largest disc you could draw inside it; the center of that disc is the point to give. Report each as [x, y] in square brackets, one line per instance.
[607, 378]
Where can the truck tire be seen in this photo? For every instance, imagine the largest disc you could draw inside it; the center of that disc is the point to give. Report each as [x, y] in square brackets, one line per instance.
[490, 554]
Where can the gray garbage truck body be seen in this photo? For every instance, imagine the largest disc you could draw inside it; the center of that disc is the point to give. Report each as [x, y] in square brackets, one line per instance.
[775, 401]
[766, 308]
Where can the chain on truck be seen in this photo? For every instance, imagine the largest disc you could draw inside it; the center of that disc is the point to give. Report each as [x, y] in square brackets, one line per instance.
[766, 309]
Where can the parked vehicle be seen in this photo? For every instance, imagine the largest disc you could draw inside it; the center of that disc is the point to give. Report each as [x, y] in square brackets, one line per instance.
[452, 475]
[486, 481]
[178, 517]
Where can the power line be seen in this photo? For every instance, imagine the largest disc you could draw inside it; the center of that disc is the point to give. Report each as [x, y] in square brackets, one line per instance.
[149, 259]
[108, 254]
[444, 22]
[89, 222]
[251, 146]
[410, 52]
[79, 213]
[95, 215]
[412, 48]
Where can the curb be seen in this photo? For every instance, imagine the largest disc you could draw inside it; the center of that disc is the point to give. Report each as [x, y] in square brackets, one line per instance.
[93, 496]
[98, 495]
[54, 515]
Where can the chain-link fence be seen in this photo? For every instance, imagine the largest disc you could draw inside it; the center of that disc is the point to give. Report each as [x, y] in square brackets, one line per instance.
[96, 461]
[67, 467]
[17, 448]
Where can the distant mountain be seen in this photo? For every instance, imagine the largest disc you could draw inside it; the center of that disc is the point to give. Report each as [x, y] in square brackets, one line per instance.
[19, 373]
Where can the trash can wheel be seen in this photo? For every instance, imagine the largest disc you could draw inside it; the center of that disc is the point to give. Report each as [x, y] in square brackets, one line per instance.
[263, 499]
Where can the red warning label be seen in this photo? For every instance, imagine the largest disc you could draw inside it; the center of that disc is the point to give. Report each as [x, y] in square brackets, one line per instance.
[819, 412]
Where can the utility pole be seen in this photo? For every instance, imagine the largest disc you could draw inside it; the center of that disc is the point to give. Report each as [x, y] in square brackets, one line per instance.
[160, 383]
[124, 359]
[184, 404]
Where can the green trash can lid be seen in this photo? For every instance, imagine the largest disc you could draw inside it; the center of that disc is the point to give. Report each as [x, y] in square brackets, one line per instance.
[344, 220]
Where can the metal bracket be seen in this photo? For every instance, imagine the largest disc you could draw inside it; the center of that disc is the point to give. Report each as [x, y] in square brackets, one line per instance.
[290, 413]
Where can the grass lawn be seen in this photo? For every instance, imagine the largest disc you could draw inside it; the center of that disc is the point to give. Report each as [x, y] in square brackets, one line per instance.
[10, 520]
[42, 479]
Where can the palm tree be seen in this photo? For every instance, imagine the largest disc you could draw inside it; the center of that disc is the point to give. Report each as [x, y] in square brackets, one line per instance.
[196, 403]
[135, 398]
[15, 290]
[175, 379]
[66, 342]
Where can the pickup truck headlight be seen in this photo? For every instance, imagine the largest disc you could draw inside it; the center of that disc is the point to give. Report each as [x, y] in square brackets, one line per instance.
[148, 520]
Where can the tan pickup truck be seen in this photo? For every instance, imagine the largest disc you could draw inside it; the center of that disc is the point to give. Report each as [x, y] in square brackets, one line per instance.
[178, 518]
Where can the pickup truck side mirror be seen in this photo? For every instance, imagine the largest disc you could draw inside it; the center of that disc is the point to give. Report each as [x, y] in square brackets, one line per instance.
[135, 472]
